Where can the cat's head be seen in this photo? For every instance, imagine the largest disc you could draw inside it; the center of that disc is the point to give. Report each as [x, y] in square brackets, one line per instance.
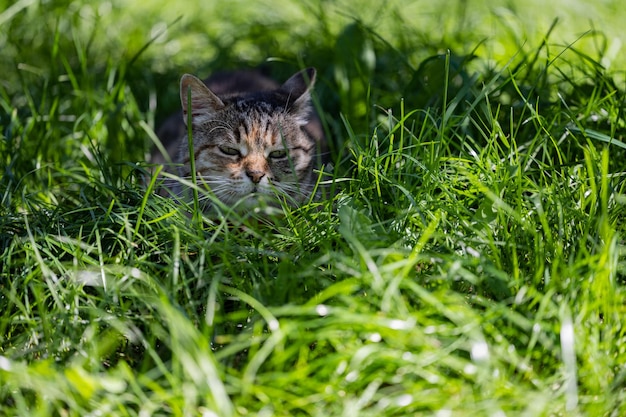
[251, 146]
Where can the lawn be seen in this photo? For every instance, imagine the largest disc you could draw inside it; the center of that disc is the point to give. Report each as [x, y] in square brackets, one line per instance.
[471, 262]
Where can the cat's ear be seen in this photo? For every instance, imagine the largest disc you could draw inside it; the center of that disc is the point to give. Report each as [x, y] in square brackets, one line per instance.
[204, 103]
[298, 87]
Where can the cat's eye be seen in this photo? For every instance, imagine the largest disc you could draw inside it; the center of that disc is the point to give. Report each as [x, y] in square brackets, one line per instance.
[280, 154]
[227, 150]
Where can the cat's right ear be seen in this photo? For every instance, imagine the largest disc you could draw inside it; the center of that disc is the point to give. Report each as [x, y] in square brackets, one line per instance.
[299, 89]
[204, 103]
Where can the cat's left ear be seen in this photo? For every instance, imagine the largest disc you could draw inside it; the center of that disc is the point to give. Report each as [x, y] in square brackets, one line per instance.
[299, 89]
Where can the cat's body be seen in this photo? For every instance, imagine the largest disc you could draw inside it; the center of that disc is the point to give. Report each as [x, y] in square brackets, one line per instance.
[253, 139]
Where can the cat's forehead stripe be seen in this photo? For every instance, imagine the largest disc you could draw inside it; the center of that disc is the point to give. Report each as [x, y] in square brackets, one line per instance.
[254, 128]
[248, 104]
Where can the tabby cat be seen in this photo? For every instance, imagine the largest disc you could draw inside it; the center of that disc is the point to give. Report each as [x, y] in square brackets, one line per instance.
[254, 141]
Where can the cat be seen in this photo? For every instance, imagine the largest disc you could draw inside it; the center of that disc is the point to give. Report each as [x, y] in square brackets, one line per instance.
[255, 141]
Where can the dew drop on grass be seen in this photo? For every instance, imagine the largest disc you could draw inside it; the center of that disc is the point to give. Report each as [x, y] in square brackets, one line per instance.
[399, 324]
[469, 369]
[322, 310]
[404, 400]
[341, 368]
[375, 337]
[273, 325]
[480, 351]
[472, 252]
[352, 376]
[5, 363]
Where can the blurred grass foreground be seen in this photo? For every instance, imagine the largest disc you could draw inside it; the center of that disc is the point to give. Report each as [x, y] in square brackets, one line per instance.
[472, 261]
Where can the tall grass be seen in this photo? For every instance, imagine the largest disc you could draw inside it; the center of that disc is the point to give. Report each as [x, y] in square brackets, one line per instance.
[471, 261]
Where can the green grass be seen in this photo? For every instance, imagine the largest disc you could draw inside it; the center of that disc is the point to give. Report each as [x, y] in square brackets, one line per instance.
[471, 263]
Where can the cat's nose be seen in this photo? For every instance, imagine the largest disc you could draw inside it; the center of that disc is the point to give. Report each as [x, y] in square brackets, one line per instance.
[255, 176]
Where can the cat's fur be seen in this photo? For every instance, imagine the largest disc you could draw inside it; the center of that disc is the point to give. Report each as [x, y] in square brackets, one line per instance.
[253, 139]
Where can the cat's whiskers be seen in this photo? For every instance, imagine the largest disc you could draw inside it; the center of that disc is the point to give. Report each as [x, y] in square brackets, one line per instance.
[215, 186]
[295, 190]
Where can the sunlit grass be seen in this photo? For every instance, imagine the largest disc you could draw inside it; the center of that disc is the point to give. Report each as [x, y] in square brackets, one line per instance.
[469, 262]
